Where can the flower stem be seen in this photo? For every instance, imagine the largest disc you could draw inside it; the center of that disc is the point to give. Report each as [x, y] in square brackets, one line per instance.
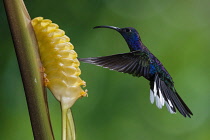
[68, 128]
[71, 134]
[30, 67]
[64, 123]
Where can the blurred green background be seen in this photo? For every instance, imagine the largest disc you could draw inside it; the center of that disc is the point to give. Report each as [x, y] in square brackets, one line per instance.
[118, 106]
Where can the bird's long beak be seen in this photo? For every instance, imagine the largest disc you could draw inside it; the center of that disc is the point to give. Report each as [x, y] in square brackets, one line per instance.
[110, 27]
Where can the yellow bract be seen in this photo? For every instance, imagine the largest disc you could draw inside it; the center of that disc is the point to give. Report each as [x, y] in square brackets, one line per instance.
[59, 61]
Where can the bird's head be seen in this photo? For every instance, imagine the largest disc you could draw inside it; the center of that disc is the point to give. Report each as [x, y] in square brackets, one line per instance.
[129, 34]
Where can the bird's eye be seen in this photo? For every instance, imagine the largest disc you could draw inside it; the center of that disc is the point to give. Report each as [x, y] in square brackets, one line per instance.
[127, 30]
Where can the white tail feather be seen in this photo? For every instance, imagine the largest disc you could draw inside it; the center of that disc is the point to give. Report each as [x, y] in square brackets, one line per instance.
[152, 98]
[159, 99]
[155, 89]
[169, 108]
[162, 101]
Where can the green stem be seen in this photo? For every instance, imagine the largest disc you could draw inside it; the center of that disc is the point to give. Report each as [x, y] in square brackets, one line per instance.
[71, 134]
[64, 123]
[30, 67]
[68, 128]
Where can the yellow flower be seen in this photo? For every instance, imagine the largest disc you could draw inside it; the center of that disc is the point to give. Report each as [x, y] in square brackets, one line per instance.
[59, 61]
[61, 69]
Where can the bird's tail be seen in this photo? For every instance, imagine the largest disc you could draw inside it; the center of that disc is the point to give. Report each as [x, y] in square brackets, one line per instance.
[163, 94]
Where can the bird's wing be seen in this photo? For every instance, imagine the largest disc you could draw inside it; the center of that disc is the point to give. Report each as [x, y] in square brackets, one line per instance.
[164, 93]
[135, 63]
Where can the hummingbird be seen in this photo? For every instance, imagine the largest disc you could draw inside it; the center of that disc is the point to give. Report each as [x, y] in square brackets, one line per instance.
[141, 62]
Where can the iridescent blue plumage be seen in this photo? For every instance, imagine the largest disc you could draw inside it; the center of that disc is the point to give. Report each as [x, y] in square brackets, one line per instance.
[141, 62]
[132, 38]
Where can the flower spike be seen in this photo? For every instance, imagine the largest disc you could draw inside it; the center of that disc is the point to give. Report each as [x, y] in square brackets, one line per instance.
[61, 68]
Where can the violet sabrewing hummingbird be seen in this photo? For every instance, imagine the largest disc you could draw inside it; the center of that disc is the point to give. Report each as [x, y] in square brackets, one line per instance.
[141, 62]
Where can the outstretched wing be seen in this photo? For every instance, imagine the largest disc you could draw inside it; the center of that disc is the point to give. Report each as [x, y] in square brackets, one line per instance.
[138, 64]
[166, 94]
[135, 63]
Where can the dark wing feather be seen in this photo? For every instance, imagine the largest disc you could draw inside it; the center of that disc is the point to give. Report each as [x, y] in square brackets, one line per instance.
[135, 63]
[138, 64]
